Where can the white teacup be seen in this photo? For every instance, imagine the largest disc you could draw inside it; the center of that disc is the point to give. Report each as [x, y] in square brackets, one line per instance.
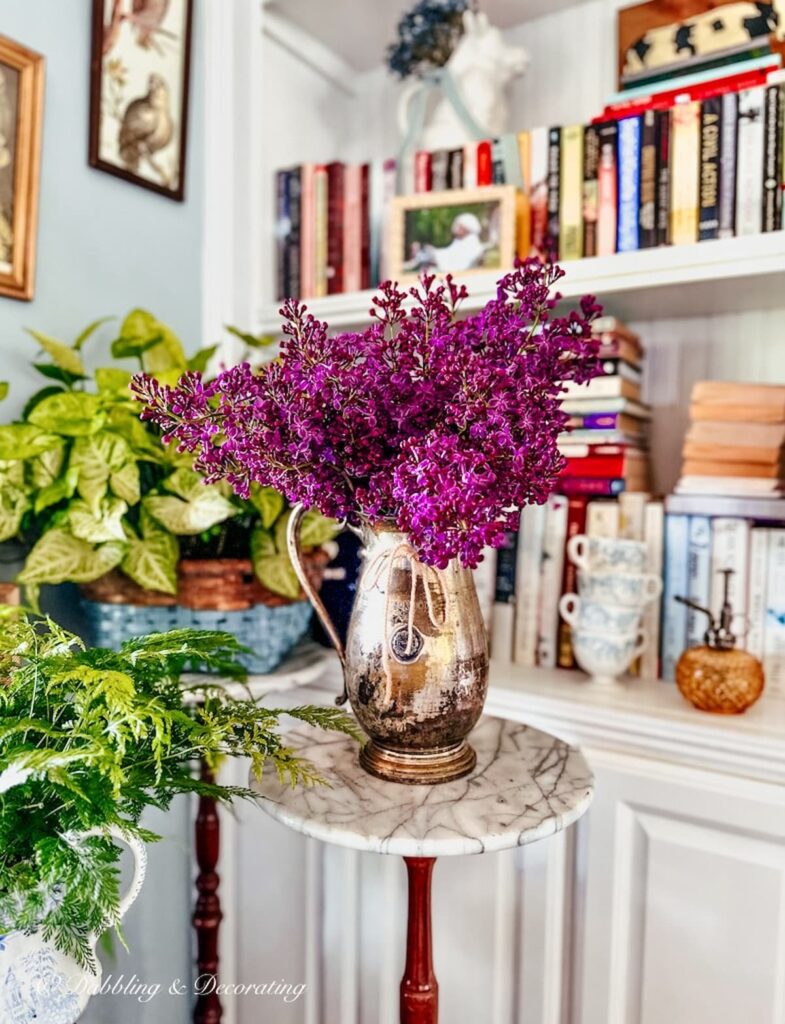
[605, 554]
[598, 618]
[631, 590]
[605, 656]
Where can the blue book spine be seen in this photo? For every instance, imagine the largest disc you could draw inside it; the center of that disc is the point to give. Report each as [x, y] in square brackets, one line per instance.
[676, 581]
[628, 231]
[698, 576]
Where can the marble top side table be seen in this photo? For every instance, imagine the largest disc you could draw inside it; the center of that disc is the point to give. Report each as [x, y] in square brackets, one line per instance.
[526, 786]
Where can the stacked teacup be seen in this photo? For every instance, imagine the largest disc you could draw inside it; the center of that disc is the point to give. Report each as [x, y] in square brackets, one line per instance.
[605, 614]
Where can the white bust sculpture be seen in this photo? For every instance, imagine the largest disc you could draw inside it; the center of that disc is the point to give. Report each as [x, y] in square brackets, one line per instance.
[481, 68]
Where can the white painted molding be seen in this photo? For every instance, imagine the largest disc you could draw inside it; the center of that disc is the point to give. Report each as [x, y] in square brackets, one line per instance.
[309, 51]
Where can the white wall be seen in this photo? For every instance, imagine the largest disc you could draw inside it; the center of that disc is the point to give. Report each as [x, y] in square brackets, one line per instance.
[105, 246]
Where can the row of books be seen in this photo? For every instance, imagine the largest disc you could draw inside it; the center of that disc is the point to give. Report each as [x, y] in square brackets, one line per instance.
[697, 547]
[702, 160]
[532, 572]
[736, 440]
[689, 540]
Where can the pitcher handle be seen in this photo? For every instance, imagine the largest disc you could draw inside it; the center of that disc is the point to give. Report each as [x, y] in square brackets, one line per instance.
[295, 553]
[139, 851]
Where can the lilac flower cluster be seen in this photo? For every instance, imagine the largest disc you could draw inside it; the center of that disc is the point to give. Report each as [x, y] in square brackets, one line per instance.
[445, 426]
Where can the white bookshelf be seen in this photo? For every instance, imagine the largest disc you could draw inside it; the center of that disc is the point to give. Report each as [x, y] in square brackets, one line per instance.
[726, 276]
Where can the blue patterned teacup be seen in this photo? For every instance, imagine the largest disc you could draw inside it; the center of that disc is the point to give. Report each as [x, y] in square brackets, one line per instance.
[605, 554]
[605, 656]
[598, 618]
[631, 590]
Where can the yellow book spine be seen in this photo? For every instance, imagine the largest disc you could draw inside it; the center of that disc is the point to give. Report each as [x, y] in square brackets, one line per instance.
[685, 172]
[523, 207]
[571, 193]
[320, 241]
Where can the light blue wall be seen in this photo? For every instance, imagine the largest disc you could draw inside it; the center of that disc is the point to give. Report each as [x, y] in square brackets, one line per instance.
[103, 245]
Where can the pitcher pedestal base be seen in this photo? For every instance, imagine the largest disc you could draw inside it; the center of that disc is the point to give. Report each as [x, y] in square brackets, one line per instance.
[424, 768]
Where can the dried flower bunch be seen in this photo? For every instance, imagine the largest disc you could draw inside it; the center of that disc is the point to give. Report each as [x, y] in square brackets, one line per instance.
[445, 426]
[427, 35]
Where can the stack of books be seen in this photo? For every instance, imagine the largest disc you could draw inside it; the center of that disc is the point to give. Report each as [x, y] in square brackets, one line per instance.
[605, 445]
[734, 445]
[679, 162]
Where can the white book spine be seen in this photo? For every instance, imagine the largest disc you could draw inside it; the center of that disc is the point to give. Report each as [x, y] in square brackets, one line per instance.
[756, 592]
[632, 515]
[602, 519]
[749, 162]
[527, 584]
[552, 568]
[730, 543]
[470, 165]
[774, 630]
[698, 577]
[674, 615]
[653, 527]
[485, 585]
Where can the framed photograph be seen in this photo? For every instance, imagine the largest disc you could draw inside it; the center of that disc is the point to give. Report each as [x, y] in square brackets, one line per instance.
[21, 110]
[461, 231]
[661, 39]
[139, 91]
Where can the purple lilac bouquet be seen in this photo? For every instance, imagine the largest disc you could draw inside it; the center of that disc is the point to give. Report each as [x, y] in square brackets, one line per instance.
[446, 427]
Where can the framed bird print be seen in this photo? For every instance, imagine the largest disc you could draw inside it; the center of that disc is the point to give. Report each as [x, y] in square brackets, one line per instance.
[21, 107]
[139, 91]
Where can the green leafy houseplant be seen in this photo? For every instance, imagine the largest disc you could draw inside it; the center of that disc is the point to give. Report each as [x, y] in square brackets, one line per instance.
[88, 739]
[90, 488]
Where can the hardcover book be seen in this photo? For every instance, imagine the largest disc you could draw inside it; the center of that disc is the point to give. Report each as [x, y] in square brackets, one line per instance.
[320, 230]
[772, 160]
[576, 523]
[551, 576]
[335, 199]
[528, 573]
[711, 127]
[663, 177]
[685, 167]
[571, 193]
[607, 189]
[728, 142]
[698, 577]
[749, 162]
[648, 184]
[538, 191]
[455, 170]
[293, 249]
[422, 171]
[674, 615]
[628, 237]
[553, 243]
[440, 165]
[591, 164]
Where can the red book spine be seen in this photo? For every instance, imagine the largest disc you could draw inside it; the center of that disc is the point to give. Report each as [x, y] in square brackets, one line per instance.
[365, 226]
[335, 199]
[605, 466]
[484, 163]
[702, 91]
[422, 171]
[596, 486]
[576, 523]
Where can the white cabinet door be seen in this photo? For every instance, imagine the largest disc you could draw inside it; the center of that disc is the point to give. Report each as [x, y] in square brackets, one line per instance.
[685, 898]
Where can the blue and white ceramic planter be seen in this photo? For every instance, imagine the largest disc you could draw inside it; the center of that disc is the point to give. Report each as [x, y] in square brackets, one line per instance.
[41, 985]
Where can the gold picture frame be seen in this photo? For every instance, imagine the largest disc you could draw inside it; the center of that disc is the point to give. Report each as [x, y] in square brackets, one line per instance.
[460, 231]
[21, 110]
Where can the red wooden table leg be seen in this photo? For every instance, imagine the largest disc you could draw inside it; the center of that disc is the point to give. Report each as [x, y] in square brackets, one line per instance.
[207, 912]
[419, 989]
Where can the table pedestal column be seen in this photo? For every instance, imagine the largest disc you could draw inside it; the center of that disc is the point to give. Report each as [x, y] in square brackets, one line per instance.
[419, 988]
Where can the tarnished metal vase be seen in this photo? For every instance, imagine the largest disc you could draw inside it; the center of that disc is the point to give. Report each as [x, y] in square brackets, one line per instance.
[416, 657]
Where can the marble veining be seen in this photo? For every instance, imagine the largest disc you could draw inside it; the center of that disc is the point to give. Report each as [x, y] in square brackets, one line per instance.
[526, 785]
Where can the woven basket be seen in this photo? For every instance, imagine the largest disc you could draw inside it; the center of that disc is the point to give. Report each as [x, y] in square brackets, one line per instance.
[216, 594]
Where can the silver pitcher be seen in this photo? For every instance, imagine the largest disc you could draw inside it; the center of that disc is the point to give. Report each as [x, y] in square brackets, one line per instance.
[415, 664]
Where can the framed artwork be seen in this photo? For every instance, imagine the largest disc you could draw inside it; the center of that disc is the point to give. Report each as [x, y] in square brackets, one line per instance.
[139, 75]
[21, 110]
[461, 231]
[664, 38]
